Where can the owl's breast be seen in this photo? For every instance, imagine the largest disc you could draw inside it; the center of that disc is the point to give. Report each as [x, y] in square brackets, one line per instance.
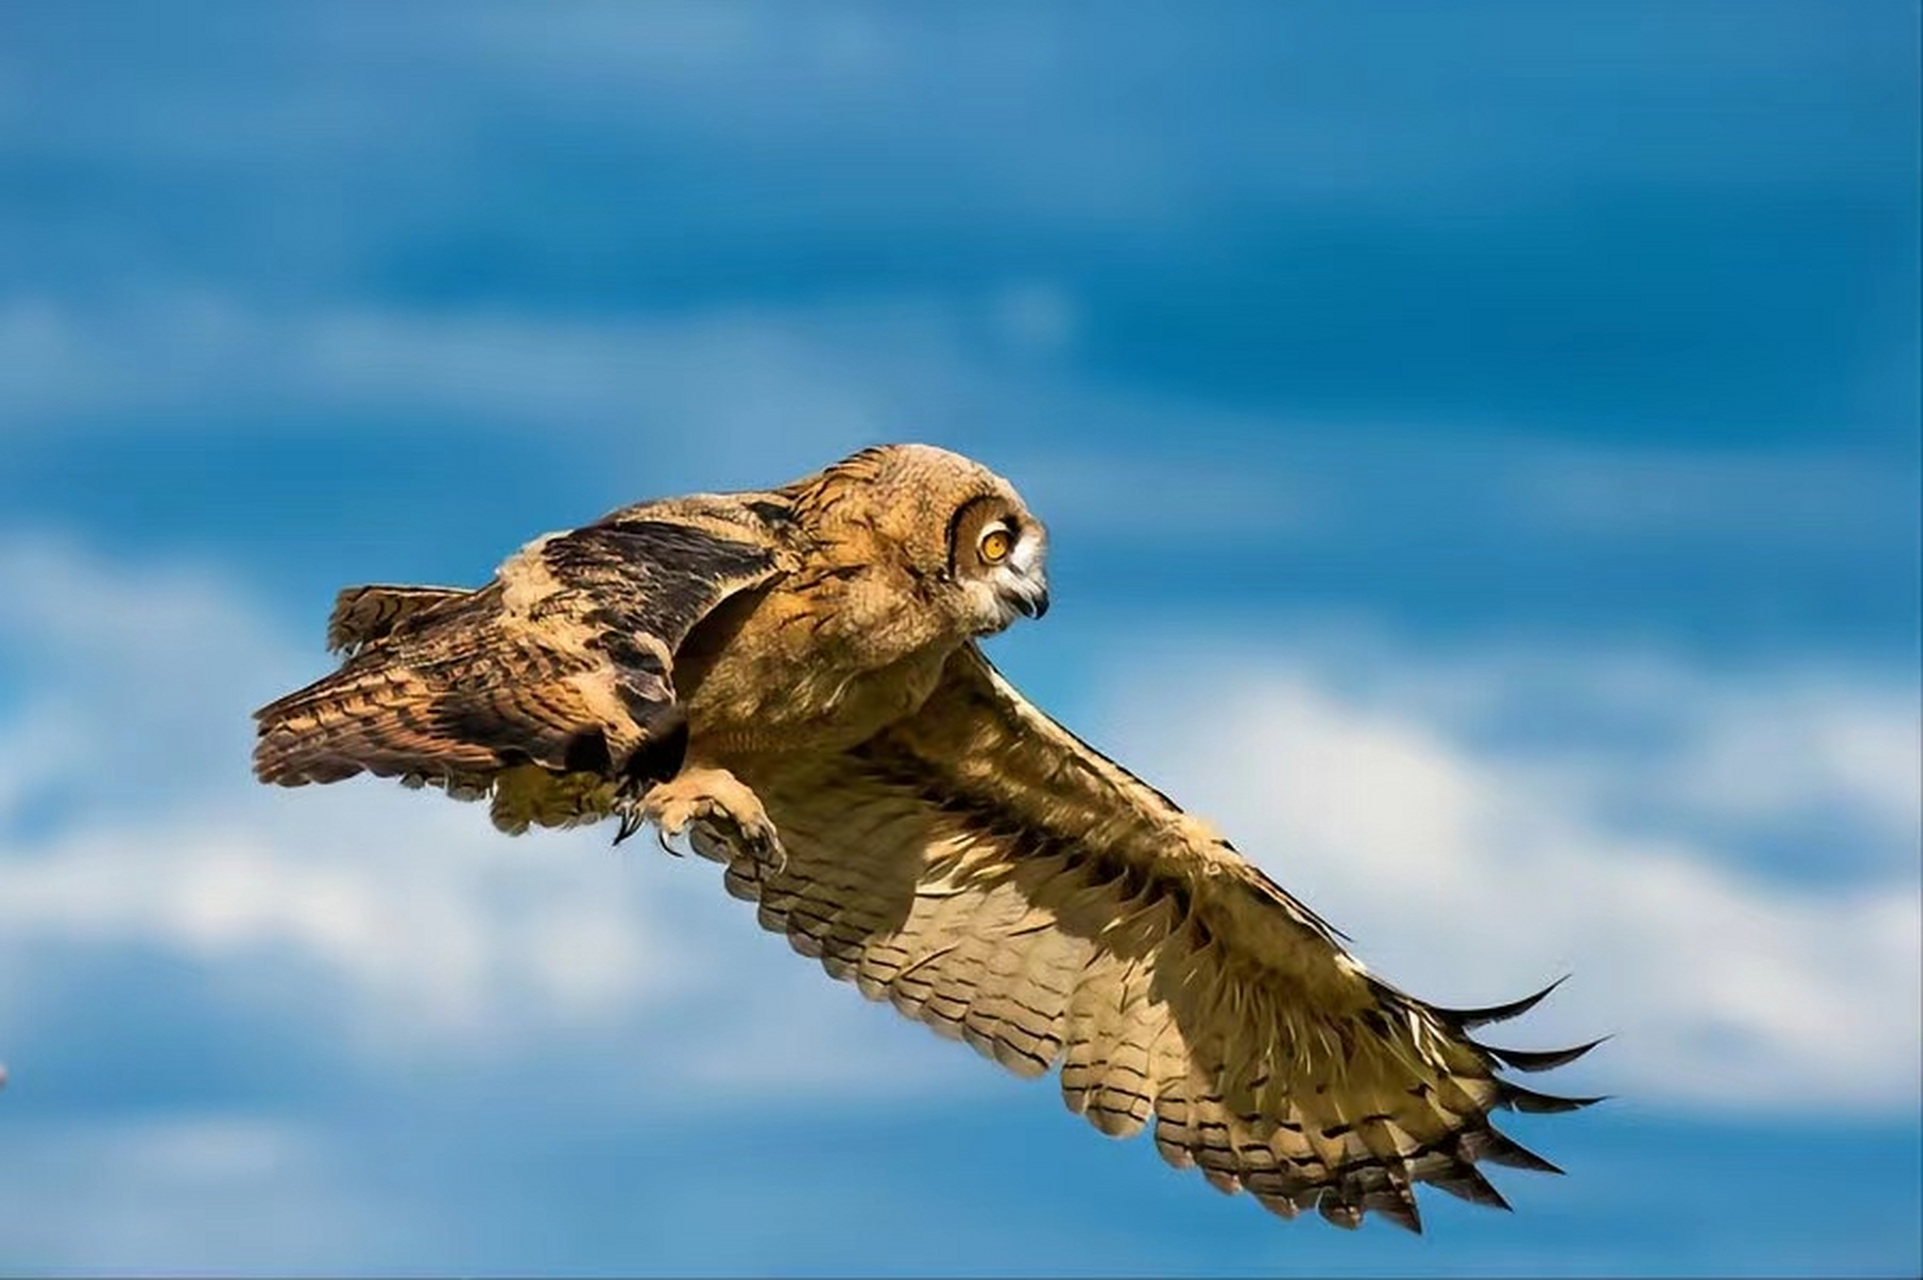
[818, 667]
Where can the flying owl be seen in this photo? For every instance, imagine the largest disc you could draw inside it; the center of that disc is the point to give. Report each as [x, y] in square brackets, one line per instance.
[793, 679]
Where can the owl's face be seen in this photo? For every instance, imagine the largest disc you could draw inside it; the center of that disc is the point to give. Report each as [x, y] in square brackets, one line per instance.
[996, 555]
[960, 531]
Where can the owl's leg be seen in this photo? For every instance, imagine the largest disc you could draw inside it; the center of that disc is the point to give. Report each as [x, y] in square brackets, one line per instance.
[711, 799]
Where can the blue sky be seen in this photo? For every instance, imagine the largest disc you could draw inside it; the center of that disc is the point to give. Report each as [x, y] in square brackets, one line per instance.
[1490, 431]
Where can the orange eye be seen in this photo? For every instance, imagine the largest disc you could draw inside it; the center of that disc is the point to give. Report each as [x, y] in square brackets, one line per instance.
[996, 544]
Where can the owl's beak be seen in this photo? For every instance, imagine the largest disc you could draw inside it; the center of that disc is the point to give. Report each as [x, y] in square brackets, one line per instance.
[1031, 595]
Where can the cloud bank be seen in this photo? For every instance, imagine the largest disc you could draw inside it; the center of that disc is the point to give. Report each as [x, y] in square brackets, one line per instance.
[1470, 852]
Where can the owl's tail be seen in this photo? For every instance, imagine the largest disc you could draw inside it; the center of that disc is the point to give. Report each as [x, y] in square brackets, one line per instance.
[381, 718]
[378, 713]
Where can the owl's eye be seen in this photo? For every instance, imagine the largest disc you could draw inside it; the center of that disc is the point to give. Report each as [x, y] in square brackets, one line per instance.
[995, 546]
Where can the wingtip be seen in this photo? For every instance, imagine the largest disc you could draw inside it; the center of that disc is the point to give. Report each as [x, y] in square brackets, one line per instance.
[1465, 1182]
[1397, 1204]
[1533, 1060]
[1410, 1222]
[1499, 1148]
[1467, 1018]
[1531, 1102]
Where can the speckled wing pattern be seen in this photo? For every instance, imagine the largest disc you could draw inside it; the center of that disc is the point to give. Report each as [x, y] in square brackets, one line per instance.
[364, 615]
[564, 662]
[993, 876]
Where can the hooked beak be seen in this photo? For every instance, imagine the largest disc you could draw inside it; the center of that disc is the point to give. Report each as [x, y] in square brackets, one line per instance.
[1031, 595]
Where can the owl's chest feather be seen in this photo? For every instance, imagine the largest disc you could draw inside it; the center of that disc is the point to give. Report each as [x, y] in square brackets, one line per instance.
[818, 665]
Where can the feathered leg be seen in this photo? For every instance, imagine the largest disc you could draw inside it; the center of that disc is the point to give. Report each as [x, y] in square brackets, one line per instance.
[710, 798]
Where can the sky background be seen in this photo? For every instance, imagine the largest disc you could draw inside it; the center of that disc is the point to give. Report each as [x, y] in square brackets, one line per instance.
[1481, 449]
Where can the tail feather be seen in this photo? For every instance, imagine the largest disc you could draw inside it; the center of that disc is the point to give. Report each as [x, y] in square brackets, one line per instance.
[379, 713]
[448, 686]
[383, 720]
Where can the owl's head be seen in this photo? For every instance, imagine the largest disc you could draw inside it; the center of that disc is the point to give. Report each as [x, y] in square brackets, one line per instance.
[996, 559]
[958, 528]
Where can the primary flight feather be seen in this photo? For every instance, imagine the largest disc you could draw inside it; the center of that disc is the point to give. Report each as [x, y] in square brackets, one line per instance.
[792, 679]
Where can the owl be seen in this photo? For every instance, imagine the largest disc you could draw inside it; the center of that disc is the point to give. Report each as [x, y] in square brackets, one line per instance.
[793, 680]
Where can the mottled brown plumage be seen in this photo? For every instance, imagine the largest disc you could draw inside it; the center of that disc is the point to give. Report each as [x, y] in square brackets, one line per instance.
[792, 678]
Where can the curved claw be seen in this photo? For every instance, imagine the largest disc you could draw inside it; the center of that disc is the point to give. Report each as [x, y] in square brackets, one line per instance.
[710, 804]
[765, 847]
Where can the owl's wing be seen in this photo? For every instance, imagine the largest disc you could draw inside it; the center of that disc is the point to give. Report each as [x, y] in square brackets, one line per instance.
[564, 661]
[364, 615]
[995, 877]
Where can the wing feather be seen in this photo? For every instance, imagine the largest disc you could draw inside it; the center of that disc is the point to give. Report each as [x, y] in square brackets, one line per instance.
[365, 615]
[538, 688]
[994, 877]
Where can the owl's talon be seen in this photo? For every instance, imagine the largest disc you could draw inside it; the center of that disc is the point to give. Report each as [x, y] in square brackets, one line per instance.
[713, 801]
[761, 842]
[631, 808]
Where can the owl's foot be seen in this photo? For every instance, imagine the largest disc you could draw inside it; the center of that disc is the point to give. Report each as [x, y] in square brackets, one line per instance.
[716, 804]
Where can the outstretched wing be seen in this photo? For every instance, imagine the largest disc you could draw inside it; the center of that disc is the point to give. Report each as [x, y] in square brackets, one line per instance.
[996, 878]
[564, 662]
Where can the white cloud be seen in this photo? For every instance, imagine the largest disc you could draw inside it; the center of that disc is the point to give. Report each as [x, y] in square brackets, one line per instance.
[1771, 752]
[1366, 781]
[1467, 870]
[432, 933]
[1633, 729]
